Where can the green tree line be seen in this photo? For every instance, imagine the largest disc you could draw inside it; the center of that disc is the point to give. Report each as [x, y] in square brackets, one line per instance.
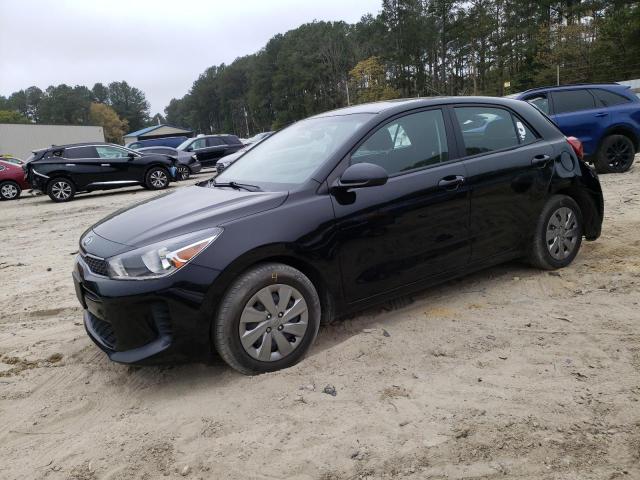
[410, 48]
[415, 48]
[65, 105]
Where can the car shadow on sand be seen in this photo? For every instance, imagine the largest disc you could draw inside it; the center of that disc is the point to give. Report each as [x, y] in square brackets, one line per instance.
[206, 372]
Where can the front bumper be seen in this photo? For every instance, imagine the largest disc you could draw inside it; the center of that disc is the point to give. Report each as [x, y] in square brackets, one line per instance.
[144, 321]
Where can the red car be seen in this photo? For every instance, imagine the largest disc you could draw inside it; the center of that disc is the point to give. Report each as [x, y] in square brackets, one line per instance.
[13, 179]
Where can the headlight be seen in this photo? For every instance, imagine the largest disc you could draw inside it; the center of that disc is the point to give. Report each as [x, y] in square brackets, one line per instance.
[162, 258]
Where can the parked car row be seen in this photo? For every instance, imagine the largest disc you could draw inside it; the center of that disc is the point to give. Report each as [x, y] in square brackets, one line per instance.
[605, 117]
[62, 171]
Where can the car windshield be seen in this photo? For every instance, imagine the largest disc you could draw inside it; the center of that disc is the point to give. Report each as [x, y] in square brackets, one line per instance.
[292, 155]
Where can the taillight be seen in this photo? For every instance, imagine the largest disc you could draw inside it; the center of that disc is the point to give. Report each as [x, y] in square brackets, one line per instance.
[577, 147]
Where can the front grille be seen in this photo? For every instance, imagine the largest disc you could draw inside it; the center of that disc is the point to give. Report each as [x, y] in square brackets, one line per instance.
[96, 265]
[104, 331]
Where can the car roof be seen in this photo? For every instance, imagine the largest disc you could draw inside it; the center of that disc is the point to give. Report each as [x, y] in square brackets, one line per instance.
[612, 86]
[400, 105]
[82, 144]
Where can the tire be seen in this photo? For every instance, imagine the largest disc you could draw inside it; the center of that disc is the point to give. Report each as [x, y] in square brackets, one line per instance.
[241, 303]
[9, 190]
[156, 178]
[616, 154]
[561, 247]
[183, 172]
[61, 189]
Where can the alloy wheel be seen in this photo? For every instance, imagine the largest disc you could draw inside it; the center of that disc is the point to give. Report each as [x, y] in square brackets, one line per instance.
[61, 190]
[183, 172]
[158, 179]
[273, 322]
[619, 155]
[562, 233]
[9, 191]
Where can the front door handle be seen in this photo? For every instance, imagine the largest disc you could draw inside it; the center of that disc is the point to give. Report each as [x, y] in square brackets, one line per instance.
[601, 114]
[105, 164]
[540, 160]
[451, 182]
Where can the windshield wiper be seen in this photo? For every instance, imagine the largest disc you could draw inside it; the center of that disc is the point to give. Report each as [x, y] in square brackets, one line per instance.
[244, 186]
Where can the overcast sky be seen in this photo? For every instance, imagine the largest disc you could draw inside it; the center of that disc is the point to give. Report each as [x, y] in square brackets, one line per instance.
[159, 46]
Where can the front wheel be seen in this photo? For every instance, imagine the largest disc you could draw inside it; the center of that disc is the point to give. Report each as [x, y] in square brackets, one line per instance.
[61, 189]
[558, 234]
[267, 320]
[157, 178]
[9, 190]
[183, 172]
[616, 155]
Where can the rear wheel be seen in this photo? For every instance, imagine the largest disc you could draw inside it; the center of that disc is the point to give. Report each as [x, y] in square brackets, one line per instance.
[616, 154]
[9, 190]
[558, 234]
[267, 320]
[157, 178]
[61, 189]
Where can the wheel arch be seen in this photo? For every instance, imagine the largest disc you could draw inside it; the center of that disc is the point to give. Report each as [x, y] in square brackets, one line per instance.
[328, 289]
[590, 213]
[624, 130]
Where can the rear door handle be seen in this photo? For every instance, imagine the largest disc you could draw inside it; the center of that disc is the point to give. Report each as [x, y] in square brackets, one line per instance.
[540, 160]
[105, 164]
[451, 182]
[601, 114]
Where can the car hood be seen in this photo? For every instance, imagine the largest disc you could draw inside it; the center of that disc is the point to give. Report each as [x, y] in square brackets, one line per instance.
[187, 210]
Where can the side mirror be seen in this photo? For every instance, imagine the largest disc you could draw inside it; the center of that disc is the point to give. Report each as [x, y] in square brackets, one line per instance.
[131, 156]
[361, 175]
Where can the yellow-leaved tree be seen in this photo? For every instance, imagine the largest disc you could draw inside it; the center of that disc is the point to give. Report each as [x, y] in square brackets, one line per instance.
[107, 118]
[369, 82]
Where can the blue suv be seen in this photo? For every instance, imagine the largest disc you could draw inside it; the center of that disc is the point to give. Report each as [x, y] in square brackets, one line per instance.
[604, 117]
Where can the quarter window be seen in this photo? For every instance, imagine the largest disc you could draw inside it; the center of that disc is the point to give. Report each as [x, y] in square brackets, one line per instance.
[486, 129]
[566, 101]
[111, 152]
[413, 141]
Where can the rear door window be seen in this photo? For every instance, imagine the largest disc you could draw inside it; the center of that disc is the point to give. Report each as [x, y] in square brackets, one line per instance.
[605, 98]
[214, 142]
[80, 152]
[111, 152]
[566, 101]
[487, 129]
[232, 140]
[414, 141]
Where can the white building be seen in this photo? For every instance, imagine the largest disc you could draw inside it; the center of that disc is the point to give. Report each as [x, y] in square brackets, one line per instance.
[20, 139]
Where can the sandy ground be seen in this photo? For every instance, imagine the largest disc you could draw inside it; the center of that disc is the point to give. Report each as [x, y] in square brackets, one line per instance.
[509, 373]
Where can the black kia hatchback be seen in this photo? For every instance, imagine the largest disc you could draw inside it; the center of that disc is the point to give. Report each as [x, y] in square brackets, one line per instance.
[332, 214]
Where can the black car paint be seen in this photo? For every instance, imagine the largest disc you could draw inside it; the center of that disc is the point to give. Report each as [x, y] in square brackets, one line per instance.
[209, 155]
[358, 247]
[93, 173]
[188, 160]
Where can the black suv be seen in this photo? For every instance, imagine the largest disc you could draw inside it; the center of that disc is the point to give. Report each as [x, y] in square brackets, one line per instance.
[208, 149]
[331, 215]
[63, 170]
